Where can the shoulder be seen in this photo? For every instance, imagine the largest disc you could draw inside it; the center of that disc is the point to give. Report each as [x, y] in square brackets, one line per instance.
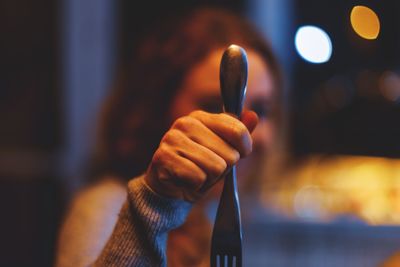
[89, 222]
[108, 194]
[98, 203]
[108, 187]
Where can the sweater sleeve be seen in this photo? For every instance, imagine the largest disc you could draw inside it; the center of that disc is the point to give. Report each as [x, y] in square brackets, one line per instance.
[140, 235]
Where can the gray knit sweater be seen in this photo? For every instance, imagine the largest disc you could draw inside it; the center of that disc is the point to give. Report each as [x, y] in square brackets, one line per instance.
[140, 235]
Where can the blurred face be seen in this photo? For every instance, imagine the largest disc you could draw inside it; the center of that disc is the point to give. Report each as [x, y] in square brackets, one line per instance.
[201, 90]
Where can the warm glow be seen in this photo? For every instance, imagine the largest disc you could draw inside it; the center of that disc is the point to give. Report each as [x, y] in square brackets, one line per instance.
[323, 188]
[365, 22]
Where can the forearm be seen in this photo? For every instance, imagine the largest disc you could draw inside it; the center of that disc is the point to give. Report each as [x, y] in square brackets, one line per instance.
[140, 235]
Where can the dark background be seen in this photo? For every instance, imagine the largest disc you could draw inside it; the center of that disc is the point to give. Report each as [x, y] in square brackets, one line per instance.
[31, 131]
[363, 121]
[43, 103]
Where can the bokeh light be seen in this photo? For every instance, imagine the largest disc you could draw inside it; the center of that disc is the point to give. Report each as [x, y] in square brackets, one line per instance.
[365, 22]
[308, 203]
[313, 44]
[389, 85]
[337, 92]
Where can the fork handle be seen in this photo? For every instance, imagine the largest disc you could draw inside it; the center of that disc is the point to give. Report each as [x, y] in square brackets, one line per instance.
[233, 79]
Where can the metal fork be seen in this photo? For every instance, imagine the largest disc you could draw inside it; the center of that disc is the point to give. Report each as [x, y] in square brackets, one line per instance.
[226, 243]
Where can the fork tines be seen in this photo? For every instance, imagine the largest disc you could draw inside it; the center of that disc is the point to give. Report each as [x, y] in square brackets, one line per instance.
[226, 243]
[222, 260]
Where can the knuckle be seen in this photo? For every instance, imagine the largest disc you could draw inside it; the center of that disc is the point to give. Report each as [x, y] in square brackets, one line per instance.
[239, 131]
[161, 154]
[167, 137]
[197, 113]
[241, 139]
[172, 137]
[200, 179]
[219, 168]
[179, 123]
[184, 123]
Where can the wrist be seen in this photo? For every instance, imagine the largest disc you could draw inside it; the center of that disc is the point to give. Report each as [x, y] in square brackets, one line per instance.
[154, 184]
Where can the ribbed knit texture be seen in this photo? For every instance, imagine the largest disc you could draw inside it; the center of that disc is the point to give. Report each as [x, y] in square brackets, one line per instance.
[140, 235]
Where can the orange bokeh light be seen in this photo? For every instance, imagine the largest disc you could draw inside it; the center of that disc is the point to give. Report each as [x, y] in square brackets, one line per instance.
[365, 22]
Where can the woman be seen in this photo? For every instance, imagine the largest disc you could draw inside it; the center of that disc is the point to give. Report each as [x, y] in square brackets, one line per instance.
[163, 131]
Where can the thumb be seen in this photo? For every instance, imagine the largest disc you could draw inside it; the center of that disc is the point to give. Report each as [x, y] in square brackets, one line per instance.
[250, 119]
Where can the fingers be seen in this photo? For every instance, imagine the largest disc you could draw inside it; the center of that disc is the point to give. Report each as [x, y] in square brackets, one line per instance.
[250, 119]
[173, 168]
[209, 161]
[228, 128]
[197, 150]
[200, 134]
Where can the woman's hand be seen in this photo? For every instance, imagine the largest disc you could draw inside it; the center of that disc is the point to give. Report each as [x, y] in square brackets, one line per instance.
[196, 151]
